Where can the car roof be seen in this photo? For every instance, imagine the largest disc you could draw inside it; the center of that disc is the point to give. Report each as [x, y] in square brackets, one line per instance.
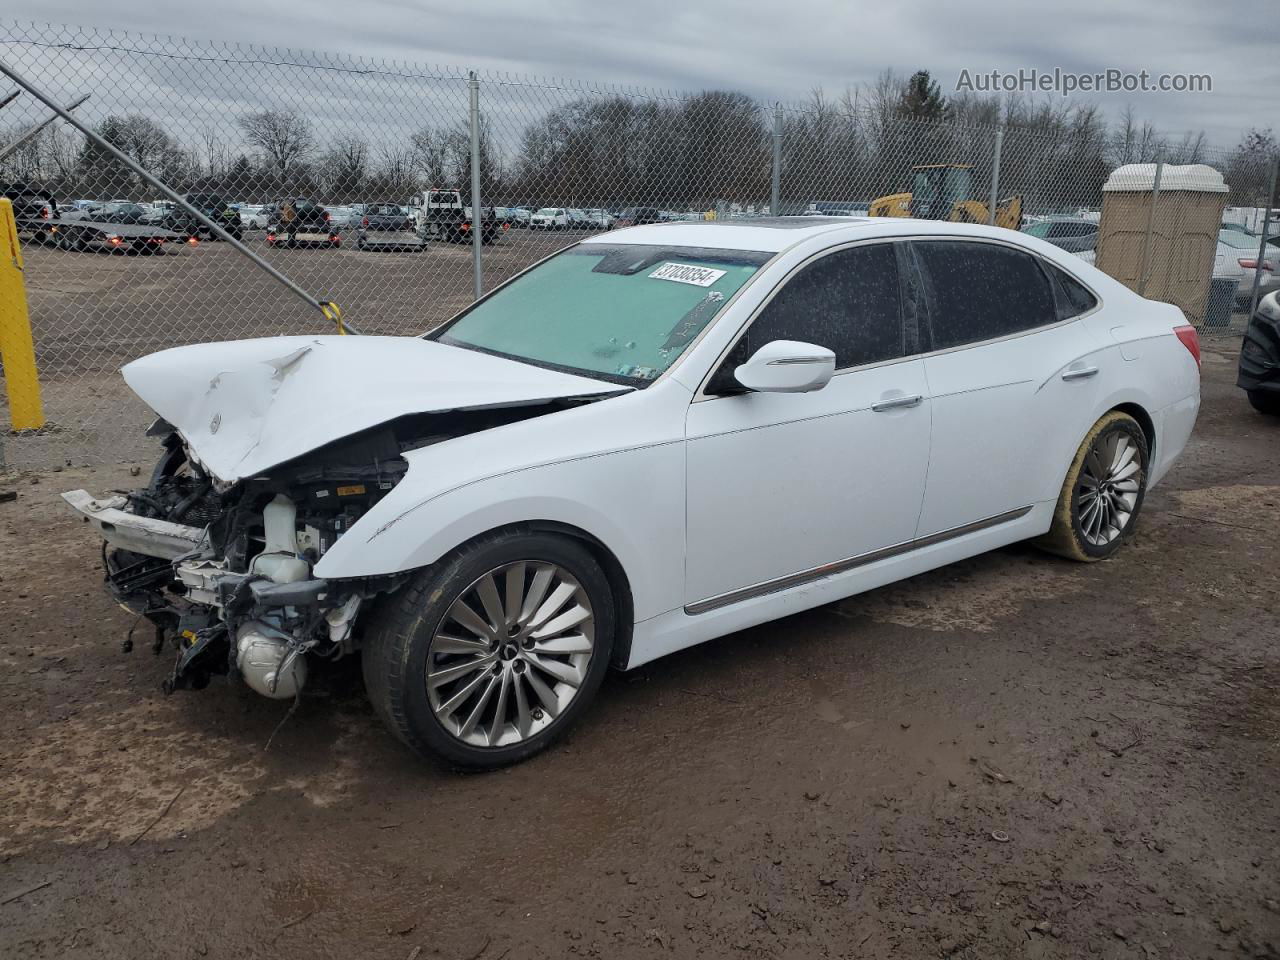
[775, 234]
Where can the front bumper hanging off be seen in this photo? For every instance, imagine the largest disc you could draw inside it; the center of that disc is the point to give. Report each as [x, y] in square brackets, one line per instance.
[128, 531]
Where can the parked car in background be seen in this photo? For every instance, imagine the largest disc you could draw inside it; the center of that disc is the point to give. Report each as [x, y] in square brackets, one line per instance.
[838, 208]
[1070, 233]
[517, 217]
[119, 226]
[550, 218]
[33, 209]
[648, 440]
[213, 206]
[300, 220]
[444, 215]
[343, 217]
[385, 226]
[113, 211]
[638, 216]
[600, 219]
[255, 216]
[1259, 370]
[1237, 259]
[579, 219]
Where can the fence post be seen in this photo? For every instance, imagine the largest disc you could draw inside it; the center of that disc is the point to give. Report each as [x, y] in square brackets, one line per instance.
[1262, 242]
[477, 214]
[1151, 222]
[775, 196]
[995, 176]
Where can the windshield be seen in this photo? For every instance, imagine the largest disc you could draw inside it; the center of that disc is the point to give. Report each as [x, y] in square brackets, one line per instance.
[549, 212]
[620, 312]
[1040, 229]
[1241, 241]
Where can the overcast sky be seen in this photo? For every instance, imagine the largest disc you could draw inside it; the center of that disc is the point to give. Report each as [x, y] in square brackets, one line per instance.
[772, 50]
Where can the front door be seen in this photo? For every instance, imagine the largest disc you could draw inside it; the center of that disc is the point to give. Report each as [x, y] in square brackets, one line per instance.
[781, 484]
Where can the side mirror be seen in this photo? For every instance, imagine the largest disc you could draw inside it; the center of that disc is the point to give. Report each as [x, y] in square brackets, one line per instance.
[787, 366]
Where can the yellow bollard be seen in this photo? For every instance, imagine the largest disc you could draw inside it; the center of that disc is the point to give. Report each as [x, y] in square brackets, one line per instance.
[17, 349]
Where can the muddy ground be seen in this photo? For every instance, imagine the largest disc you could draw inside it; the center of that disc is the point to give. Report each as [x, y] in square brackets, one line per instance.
[1012, 756]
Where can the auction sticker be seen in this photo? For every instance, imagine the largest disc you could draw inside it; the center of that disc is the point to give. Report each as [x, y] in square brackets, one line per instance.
[683, 273]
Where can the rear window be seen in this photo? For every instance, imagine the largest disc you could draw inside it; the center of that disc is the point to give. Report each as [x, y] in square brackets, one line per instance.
[1071, 296]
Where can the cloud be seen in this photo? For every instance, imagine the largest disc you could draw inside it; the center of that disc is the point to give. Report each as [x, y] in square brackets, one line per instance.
[773, 51]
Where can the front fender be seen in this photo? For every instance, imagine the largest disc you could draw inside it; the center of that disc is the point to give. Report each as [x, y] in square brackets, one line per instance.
[631, 501]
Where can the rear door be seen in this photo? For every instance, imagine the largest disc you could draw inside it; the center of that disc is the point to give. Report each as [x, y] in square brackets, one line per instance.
[1012, 374]
[781, 484]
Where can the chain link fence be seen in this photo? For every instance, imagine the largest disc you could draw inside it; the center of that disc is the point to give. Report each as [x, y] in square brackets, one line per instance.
[354, 178]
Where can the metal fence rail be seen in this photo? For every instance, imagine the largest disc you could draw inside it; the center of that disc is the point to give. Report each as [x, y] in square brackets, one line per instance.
[253, 126]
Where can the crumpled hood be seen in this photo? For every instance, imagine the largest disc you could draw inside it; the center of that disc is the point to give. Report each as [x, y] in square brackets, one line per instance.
[247, 405]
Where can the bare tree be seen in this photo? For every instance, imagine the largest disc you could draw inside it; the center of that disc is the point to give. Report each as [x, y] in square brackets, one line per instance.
[344, 167]
[285, 138]
[213, 152]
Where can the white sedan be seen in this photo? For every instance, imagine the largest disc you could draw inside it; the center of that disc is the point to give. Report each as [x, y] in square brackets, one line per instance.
[549, 218]
[654, 437]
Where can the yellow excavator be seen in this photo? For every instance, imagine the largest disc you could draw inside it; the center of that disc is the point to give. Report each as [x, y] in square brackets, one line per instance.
[940, 191]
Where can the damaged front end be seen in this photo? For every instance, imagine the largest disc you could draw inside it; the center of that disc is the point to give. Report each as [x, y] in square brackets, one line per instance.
[261, 475]
[224, 572]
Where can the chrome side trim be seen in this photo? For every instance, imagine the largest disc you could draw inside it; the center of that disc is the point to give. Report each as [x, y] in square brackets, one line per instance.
[842, 566]
[786, 361]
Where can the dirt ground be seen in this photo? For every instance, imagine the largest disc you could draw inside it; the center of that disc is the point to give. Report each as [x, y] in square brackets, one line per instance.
[1011, 756]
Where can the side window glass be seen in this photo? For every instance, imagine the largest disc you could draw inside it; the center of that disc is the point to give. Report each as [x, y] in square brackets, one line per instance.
[981, 291]
[848, 301]
[1071, 296]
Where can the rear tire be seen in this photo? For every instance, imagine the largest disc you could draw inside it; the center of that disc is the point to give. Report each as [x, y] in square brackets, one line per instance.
[1265, 401]
[497, 686]
[1102, 493]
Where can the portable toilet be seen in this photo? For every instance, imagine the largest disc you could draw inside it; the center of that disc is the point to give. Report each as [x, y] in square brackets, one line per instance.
[1183, 220]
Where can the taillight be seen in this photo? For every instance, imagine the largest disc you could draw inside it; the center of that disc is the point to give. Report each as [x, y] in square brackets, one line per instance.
[466, 226]
[192, 241]
[334, 239]
[326, 216]
[1191, 340]
[1250, 263]
[364, 222]
[44, 213]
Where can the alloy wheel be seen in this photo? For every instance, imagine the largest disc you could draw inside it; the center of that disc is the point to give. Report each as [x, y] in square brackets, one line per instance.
[1110, 482]
[510, 654]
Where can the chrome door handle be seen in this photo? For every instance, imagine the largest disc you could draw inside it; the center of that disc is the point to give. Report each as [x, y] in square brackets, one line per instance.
[1081, 373]
[880, 406]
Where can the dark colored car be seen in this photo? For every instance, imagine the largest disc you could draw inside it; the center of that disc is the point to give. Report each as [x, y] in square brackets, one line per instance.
[1259, 374]
[386, 225]
[212, 206]
[33, 208]
[638, 216]
[1070, 233]
[296, 220]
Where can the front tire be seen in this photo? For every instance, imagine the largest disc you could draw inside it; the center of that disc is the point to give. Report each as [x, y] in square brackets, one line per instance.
[490, 655]
[1102, 493]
